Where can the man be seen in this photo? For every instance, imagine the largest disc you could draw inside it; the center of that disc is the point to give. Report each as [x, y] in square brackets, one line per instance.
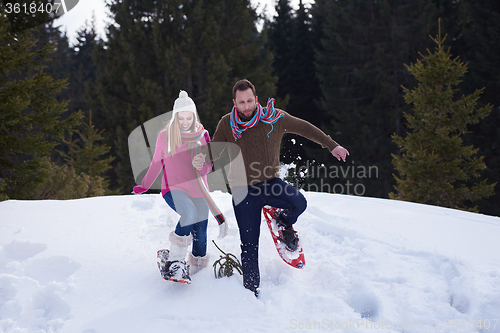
[258, 132]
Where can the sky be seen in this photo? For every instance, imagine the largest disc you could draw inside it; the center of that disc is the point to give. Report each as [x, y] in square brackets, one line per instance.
[75, 19]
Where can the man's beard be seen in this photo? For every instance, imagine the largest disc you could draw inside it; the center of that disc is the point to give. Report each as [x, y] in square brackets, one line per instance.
[243, 117]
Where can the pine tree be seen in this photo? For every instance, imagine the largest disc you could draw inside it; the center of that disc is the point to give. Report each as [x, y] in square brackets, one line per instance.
[479, 47]
[63, 182]
[304, 87]
[359, 65]
[86, 154]
[435, 167]
[14, 10]
[156, 48]
[31, 117]
[57, 65]
[297, 89]
[281, 41]
[82, 68]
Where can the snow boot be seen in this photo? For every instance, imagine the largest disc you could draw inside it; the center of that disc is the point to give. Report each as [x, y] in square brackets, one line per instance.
[287, 235]
[175, 267]
[178, 246]
[197, 263]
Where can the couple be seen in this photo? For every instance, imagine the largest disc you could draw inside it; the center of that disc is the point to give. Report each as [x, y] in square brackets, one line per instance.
[257, 132]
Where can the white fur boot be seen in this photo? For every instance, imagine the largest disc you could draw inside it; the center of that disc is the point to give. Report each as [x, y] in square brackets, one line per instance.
[176, 268]
[197, 263]
[178, 246]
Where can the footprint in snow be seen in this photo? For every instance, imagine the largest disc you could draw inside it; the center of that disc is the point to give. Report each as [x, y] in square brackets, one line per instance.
[22, 250]
[7, 289]
[27, 292]
[26, 306]
[142, 204]
[365, 303]
[457, 285]
[46, 270]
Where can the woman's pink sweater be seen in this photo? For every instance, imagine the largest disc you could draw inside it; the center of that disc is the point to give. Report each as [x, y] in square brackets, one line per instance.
[179, 173]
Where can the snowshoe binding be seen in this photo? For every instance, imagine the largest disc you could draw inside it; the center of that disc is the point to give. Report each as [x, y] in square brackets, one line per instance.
[287, 235]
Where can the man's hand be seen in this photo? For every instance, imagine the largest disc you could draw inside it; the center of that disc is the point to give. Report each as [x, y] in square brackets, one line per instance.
[340, 153]
[199, 161]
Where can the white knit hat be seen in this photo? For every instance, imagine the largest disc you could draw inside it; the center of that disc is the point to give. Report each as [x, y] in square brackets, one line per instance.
[184, 103]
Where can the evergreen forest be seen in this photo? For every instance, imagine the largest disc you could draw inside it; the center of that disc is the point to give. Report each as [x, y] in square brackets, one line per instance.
[409, 87]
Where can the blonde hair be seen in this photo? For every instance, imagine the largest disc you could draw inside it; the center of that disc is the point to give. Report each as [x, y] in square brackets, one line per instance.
[173, 133]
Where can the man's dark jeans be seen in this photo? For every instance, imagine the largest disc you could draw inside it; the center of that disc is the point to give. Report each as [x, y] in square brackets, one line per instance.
[275, 193]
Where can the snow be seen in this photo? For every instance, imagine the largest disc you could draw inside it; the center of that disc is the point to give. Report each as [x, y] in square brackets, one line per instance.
[372, 265]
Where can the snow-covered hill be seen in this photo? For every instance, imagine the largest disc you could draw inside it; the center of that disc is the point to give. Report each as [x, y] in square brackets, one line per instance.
[373, 265]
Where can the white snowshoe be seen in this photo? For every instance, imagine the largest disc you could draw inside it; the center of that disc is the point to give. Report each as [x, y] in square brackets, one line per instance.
[176, 271]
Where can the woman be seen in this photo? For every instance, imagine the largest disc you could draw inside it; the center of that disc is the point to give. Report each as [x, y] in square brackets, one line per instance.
[184, 186]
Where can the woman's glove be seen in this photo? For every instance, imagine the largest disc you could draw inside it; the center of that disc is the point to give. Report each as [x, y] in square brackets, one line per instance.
[139, 190]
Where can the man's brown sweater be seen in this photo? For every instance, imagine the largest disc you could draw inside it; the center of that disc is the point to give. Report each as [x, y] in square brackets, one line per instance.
[261, 152]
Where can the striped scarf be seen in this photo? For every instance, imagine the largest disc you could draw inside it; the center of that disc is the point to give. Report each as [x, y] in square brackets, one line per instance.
[270, 116]
[194, 139]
